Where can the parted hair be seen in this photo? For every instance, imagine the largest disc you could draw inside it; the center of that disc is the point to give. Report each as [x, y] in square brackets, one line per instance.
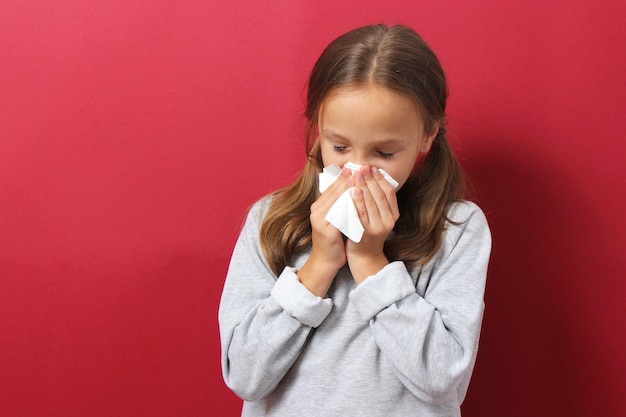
[394, 57]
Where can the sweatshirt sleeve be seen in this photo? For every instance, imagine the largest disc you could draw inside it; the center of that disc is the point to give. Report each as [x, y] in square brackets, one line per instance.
[264, 321]
[432, 340]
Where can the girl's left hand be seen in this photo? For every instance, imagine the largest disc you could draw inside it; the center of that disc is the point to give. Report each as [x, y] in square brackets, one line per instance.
[375, 201]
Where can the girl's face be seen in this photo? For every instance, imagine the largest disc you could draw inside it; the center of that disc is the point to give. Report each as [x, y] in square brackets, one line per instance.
[373, 126]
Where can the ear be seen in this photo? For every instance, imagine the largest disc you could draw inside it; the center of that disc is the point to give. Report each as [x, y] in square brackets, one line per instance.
[427, 140]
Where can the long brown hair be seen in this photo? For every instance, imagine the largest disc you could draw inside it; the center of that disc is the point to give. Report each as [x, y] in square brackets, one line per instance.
[398, 59]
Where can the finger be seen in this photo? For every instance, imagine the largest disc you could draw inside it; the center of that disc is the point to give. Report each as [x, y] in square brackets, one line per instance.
[385, 216]
[364, 201]
[376, 189]
[389, 192]
[334, 191]
[359, 204]
[321, 207]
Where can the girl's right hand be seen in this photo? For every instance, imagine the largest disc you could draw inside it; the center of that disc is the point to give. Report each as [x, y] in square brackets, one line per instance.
[328, 253]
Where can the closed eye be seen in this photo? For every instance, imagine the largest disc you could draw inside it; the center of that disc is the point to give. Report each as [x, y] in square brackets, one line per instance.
[385, 155]
[339, 148]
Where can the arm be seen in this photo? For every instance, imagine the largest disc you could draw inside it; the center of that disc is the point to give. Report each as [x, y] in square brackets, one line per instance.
[432, 341]
[264, 321]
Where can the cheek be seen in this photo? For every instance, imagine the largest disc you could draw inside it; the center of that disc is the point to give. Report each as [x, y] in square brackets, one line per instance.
[418, 162]
[329, 156]
[326, 158]
[400, 177]
[401, 170]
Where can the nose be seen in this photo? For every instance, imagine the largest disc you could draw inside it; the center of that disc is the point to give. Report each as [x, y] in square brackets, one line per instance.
[360, 158]
[361, 161]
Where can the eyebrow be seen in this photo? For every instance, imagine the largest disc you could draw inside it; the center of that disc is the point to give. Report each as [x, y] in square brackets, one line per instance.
[330, 133]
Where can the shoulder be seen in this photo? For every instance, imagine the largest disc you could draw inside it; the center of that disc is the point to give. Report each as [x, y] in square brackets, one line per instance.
[464, 210]
[464, 252]
[258, 210]
[253, 219]
[466, 221]
[248, 245]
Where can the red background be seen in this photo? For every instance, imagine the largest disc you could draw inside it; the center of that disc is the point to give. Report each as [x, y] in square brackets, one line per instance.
[134, 134]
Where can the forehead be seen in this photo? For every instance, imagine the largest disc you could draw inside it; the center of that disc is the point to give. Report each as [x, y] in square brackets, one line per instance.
[369, 110]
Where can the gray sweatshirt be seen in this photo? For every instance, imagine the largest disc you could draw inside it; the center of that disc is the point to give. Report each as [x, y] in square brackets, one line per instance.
[402, 343]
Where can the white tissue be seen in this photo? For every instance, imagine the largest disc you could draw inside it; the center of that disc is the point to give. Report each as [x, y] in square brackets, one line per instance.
[343, 214]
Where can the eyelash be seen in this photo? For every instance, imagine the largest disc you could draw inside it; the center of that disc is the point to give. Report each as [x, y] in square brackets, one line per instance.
[385, 155]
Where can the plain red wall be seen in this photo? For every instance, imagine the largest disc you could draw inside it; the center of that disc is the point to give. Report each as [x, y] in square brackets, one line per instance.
[134, 134]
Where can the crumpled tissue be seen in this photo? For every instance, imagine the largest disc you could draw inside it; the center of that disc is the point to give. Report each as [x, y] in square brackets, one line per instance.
[343, 214]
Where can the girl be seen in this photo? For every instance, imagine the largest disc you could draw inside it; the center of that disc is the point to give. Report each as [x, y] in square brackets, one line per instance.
[314, 324]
